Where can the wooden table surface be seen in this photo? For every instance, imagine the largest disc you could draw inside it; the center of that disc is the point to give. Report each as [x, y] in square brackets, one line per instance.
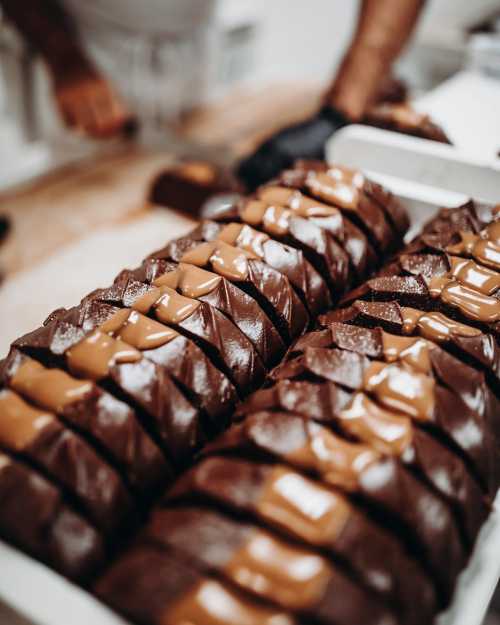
[66, 223]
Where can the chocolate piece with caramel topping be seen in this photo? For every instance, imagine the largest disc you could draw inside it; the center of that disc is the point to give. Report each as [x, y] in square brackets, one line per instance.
[35, 517]
[318, 516]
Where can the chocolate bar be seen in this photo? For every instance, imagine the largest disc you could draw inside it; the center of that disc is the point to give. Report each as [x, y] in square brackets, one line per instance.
[173, 422]
[269, 287]
[188, 184]
[294, 578]
[64, 456]
[153, 586]
[226, 346]
[35, 517]
[308, 283]
[218, 292]
[344, 189]
[318, 516]
[402, 117]
[393, 434]
[110, 423]
[382, 484]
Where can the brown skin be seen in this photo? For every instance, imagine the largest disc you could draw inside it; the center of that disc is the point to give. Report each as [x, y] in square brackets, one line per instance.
[383, 29]
[87, 102]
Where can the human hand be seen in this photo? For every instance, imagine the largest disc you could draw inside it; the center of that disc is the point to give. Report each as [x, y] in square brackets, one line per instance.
[89, 105]
[303, 140]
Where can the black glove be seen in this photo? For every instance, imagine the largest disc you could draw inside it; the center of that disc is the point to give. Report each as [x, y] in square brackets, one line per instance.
[304, 140]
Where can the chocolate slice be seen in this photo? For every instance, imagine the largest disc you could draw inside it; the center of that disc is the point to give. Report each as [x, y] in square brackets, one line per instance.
[401, 117]
[270, 288]
[111, 423]
[289, 261]
[165, 412]
[387, 489]
[295, 578]
[153, 586]
[343, 188]
[394, 211]
[316, 515]
[34, 516]
[218, 292]
[401, 388]
[40, 438]
[226, 346]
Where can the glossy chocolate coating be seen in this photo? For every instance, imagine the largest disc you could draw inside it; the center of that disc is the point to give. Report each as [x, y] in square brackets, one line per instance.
[66, 458]
[311, 512]
[293, 577]
[242, 309]
[34, 516]
[382, 482]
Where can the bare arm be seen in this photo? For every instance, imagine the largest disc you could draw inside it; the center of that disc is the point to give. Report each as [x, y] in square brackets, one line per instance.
[85, 100]
[383, 29]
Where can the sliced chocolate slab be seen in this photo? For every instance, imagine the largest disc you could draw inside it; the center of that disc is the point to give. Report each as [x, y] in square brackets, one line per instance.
[165, 412]
[316, 515]
[269, 287]
[394, 211]
[295, 578]
[35, 518]
[227, 347]
[411, 392]
[39, 437]
[153, 586]
[218, 292]
[386, 487]
[343, 188]
[288, 260]
[110, 423]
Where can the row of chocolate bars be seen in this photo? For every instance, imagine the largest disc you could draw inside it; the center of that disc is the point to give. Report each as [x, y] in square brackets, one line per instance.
[348, 490]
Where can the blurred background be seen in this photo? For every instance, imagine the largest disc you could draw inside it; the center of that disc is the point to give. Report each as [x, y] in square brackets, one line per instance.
[76, 210]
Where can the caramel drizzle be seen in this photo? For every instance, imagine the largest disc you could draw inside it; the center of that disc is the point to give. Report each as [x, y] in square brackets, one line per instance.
[20, 423]
[339, 462]
[97, 353]
[212, 603]
[434, 325]
[338, 185]
[137, 330]
[245, 237]
[307, 509]
[189, 280]
[294, 577]
[169, 306]
[226, 260]
[470, 284]
[296, 201]
[52, 389]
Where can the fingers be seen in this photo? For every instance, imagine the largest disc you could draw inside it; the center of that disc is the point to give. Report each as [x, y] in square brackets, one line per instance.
[92, 109]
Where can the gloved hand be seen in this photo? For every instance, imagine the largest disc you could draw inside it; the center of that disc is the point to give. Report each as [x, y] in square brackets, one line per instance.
[303, 140]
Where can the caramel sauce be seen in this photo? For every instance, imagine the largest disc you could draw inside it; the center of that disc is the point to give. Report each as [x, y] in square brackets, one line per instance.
[276, 220]
[226, 260]
[253, 212]
[339, 463]
[401, 389]
[95, 354]
[336, 186]
[190, 280]
[296, 201]
[383, 430]
[487, 252]
[303, 507]
[469, 273]
[168, 305]
[212, 603]
[245, 237]
[293, 577]
[21, 424]
[53, 389]
[434, 325]
[410, 350]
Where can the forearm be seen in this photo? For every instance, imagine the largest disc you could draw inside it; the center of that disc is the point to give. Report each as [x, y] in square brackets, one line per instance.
[384, 27]
[47, 28]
